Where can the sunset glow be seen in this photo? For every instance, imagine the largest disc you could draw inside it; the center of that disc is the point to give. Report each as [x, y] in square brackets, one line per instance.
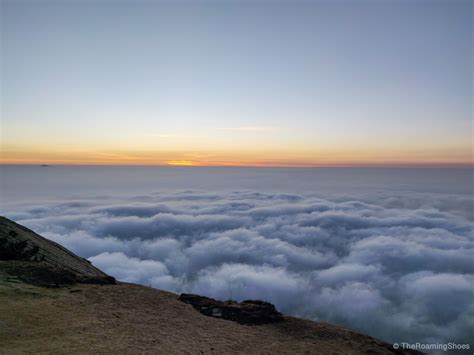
[450, 157]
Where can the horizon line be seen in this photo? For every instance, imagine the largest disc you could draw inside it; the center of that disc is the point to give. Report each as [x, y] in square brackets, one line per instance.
[314, 166]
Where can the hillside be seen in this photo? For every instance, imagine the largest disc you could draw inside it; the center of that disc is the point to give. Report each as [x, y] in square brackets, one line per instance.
[54, 301]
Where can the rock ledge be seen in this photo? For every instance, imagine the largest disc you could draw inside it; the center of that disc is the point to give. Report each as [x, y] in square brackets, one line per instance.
[249, 312]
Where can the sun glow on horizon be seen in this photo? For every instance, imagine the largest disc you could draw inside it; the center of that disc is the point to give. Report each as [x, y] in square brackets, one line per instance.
[182, 163]
[314, 158]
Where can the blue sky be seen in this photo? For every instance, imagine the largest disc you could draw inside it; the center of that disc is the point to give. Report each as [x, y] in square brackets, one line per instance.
[277, 82]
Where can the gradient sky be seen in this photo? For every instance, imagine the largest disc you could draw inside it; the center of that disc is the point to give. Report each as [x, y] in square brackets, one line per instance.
[297, 83]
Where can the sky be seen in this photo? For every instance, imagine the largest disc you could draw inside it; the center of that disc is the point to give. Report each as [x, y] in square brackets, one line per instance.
[259, 83]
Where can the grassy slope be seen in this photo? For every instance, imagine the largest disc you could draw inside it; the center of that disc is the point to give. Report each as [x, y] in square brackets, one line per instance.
[132, 318]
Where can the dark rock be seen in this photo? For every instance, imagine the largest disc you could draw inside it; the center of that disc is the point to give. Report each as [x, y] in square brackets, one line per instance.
[15, 249]
[42, 262]
[249, 312]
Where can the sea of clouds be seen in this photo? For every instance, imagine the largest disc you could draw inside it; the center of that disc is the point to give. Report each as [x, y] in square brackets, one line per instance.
[399, 266]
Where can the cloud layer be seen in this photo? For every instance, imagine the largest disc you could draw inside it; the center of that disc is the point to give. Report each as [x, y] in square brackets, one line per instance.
[399, 267]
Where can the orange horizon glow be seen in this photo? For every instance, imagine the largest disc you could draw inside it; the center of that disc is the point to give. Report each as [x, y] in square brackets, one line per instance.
[236, 163]
[322, 156]
[407, 165]
[236, 147]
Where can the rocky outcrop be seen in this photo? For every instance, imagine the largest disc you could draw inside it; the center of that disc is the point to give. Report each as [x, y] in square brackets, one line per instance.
[247, 312]
[39, 261]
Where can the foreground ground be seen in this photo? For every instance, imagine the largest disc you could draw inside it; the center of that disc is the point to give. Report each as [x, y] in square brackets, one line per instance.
[129, 318]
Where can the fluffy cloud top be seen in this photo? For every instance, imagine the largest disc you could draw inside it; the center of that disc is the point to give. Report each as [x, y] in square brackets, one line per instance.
[399, 267]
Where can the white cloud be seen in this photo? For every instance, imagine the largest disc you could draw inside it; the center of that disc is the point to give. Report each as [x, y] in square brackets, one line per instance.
[148, 272]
